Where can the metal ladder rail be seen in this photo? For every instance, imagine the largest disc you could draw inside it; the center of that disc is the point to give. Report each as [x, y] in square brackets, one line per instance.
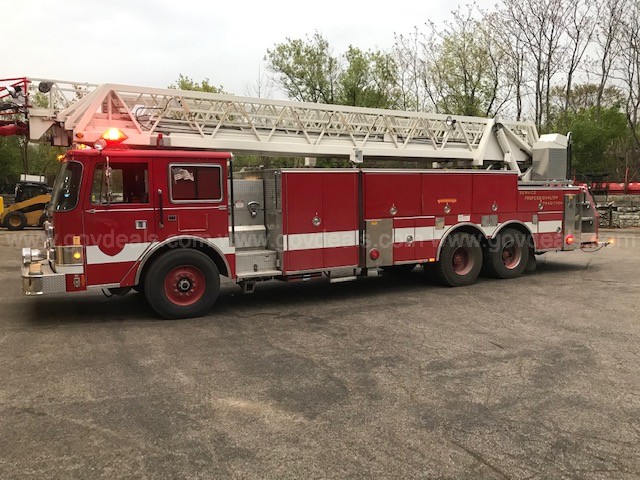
[203, 120]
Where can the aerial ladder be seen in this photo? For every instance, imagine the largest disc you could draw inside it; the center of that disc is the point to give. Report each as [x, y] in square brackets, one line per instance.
[68, 113]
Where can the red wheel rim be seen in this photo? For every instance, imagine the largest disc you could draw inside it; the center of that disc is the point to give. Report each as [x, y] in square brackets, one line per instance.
[511, 256]
[461, 261]
[184, 285]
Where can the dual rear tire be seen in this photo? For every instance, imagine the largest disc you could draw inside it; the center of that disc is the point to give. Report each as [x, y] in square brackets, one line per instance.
[507, 255]
[463, 257]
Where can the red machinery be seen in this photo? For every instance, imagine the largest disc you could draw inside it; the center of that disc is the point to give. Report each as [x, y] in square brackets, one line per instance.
[150, 202]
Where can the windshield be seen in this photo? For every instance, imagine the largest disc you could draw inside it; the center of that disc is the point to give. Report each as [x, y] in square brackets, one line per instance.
[66, 187]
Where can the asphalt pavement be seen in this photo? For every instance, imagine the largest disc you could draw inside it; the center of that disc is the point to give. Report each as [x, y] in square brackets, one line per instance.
[391, 377]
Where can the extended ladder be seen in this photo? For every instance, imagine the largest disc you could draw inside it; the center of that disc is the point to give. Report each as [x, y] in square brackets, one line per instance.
[80, 113]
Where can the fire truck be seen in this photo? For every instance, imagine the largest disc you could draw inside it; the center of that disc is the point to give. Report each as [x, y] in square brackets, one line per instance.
[147, 197]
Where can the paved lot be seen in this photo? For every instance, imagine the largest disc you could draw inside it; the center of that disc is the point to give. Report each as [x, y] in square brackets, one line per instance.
[394, 377]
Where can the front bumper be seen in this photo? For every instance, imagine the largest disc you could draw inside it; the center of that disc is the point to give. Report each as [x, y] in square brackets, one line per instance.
[39, 279]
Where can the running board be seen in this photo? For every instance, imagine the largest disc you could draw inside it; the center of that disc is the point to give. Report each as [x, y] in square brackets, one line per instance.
[343, 279]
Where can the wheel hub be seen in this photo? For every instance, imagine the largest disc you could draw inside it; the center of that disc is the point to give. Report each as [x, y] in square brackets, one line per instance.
[461, 261]
[184, 285]
[511, 255]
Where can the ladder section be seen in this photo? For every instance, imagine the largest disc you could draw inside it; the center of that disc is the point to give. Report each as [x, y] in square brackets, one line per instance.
[189, 119]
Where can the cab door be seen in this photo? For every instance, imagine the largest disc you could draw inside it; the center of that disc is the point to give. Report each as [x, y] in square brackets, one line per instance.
[119, 219]
[191, 199]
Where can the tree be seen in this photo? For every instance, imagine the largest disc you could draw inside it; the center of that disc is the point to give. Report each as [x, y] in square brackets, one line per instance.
[579, 32]
[410, 71]
[368, 80]
[307, 71]
[630, 76]
[187, 83]
[262, 86]
[540, 26]
[462, 67]
[598, 137]
[607, 41]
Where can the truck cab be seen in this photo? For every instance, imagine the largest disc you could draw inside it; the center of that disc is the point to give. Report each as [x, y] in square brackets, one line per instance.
[115, 211]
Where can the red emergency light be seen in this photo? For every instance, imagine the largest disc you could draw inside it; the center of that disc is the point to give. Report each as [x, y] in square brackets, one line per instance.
[112, 136]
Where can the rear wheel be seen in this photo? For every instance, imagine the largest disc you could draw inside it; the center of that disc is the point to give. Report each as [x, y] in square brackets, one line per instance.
[182, 284]
[15, 221]
[460, 260]
[507, 255]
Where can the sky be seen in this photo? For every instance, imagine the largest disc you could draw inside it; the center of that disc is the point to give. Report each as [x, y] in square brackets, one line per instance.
[149, 43]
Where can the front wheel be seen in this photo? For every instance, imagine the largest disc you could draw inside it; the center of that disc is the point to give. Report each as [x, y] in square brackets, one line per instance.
[15, 221]
[460, 260]
[182, 284]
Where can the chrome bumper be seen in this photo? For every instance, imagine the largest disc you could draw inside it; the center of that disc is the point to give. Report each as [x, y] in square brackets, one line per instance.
[39, 279]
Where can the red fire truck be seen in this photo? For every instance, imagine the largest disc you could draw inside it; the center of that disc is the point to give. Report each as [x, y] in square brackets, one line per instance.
[147, 198]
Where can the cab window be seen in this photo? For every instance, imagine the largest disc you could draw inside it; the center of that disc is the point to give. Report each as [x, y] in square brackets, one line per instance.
[67, 187]
[129, 183]
[195, 183]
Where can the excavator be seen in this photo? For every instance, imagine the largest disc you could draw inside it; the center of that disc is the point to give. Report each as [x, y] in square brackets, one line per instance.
[31, 197]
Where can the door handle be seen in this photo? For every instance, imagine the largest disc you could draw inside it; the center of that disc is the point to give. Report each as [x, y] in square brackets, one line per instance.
[161, 208]
[141, 224]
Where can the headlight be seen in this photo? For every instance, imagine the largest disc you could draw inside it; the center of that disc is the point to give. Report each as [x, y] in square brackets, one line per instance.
[32, 255]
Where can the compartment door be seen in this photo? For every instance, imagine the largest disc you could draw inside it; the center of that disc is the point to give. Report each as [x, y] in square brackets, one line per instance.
[302, 221]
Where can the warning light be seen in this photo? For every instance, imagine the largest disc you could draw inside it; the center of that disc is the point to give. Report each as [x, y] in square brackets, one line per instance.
[569, 239]
[114, 135]
[77, 255]
[374, 253]
[60, 157]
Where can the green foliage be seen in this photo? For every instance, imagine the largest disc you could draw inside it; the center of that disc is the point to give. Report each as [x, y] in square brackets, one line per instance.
[463, 70]
[583, 97]
[597, 138]
[10, 162]
[368, 80]
[308, 71]
[187, 83]
[41, 160]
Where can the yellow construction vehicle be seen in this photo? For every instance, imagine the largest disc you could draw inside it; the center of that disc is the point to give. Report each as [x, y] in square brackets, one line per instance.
[32, 196]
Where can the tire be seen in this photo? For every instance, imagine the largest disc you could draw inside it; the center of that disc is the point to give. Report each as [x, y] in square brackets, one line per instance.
[532, 264]
[182, 284]
[460, 260]
[43, 218]
[15, 221]
[507, 255]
